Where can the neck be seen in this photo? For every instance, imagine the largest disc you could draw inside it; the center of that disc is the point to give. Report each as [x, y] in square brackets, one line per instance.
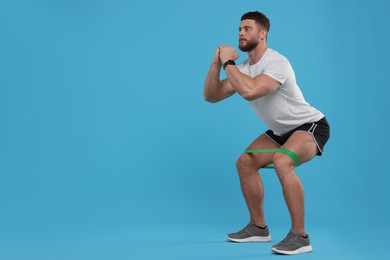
[255, 55]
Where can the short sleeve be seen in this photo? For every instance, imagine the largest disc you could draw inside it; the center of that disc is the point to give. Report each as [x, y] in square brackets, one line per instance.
[279, 69]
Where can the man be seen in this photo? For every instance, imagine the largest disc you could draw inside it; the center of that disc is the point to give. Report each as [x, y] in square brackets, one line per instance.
[267, 80]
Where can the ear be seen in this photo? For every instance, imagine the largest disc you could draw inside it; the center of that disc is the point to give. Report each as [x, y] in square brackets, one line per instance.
[263, 34]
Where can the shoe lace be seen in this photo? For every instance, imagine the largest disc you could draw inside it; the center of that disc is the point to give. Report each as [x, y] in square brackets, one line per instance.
[247, 228]
[249, 225]
[288, 238]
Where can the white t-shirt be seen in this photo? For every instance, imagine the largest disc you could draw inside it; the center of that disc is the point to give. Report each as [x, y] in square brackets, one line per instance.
[285, 108]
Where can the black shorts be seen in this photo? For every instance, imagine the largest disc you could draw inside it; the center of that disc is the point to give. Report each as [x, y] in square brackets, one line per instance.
[320, 131]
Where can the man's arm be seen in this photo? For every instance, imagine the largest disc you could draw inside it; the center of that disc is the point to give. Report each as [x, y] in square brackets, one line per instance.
[215, 89]
[248, 87]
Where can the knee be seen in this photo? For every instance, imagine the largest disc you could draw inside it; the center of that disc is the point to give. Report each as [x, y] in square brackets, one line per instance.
[283, 164]
[244, 161]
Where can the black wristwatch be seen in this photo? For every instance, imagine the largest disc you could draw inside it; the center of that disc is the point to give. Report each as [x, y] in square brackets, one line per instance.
[229, 62]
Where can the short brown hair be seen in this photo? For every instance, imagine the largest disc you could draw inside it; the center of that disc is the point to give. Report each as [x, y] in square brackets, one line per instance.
[260, 18]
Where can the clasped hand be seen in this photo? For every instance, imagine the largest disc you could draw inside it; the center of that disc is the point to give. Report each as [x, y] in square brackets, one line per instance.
[225, 53]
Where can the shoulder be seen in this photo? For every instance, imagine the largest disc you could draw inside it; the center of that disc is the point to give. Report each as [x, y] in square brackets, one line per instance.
[277, 66]
[276, 61]
[274, 56]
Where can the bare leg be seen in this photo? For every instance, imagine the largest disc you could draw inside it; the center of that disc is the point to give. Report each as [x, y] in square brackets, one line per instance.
[251, 184]
[302, 144]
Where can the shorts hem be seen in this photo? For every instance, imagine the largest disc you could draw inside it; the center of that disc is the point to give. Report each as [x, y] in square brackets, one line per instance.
[314, 139]
[272, 139]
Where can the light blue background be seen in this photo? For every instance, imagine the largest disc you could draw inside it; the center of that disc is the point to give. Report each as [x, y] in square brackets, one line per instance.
[108, 150]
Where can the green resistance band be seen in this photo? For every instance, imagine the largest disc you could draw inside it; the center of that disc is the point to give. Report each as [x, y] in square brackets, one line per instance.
[292, 155]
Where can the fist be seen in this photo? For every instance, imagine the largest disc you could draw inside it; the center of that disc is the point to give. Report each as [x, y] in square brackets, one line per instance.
[227, 53]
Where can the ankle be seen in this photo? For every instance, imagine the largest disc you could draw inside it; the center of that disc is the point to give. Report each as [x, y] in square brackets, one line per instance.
[261, 225]
[301, 232]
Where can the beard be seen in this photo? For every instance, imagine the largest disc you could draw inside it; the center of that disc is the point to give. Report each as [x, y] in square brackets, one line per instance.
[250, 45]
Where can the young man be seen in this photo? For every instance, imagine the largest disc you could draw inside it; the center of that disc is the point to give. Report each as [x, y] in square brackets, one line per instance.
[267, 80]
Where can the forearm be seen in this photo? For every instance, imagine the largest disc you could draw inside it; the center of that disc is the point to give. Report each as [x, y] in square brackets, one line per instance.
[248, 87]
[212, 85]
[242, 83]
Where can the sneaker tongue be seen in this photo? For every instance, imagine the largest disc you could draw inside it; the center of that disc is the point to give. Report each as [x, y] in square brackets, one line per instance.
[293, 231]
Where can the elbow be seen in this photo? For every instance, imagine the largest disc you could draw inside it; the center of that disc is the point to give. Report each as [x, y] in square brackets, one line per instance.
[249, 96]
[253, 94]
[210, 99]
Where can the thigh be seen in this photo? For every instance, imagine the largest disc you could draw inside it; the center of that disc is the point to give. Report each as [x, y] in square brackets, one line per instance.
[259, 160]
[303, 145]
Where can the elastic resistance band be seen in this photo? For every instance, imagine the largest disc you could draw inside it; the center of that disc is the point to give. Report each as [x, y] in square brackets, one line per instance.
[289, 153]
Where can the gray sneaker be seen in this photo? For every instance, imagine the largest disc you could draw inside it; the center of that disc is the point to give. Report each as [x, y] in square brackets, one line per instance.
[293, 244]
[250, 233]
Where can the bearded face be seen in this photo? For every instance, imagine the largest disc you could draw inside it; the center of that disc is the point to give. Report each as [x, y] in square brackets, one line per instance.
[250, 35]
[247, 45]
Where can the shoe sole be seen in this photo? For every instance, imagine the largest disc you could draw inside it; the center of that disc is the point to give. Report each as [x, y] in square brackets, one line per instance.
[301, 250]
[250, 239]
